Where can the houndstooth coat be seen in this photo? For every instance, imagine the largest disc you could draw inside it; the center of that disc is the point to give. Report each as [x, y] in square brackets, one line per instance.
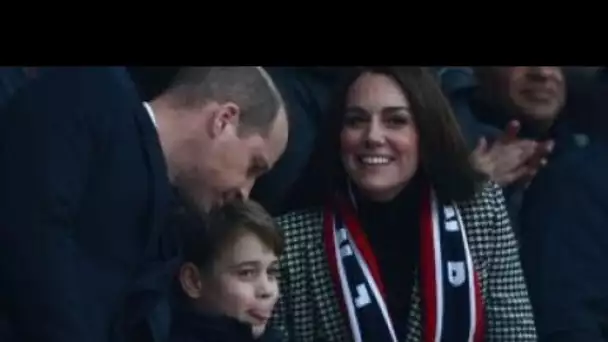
[308, 309]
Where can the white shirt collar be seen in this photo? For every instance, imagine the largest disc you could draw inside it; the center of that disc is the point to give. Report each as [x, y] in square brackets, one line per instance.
[151, 113]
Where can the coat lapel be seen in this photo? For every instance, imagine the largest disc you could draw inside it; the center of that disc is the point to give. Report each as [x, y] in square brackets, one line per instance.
[414, 322]
[161, 254]
[143, 301]
[327, 306]
[158, 180]
[416, 315]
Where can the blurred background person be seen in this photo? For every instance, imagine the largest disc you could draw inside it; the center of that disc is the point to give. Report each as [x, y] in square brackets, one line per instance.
[511, 117]
[564, 216]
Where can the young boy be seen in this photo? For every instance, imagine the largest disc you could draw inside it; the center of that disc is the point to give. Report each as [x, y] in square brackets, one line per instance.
[228, 281]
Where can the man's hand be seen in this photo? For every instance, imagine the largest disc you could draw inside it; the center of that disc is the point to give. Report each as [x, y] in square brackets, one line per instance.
[510, 159]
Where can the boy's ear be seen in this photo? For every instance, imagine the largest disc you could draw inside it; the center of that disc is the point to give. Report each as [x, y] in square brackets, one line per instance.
[190, 280]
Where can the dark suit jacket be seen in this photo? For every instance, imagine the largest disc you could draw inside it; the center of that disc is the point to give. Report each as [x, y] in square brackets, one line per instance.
[564, 241]
[82, 206]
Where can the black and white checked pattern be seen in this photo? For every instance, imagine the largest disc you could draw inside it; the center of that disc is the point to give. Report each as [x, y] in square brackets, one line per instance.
[308, 309]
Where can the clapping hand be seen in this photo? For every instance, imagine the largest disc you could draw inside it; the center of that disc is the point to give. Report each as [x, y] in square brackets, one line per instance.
[511, 159]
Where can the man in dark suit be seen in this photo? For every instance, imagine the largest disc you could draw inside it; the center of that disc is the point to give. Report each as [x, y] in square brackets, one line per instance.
[85, 181]
[525, 102]
[564, 245]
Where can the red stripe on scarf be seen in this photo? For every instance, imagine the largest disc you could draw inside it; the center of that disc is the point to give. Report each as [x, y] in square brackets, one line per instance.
[480, 314]
[362, 243]
[427, 270]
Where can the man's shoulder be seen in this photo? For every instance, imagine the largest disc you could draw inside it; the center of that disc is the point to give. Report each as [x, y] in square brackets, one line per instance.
[73, 102]
[104, 86]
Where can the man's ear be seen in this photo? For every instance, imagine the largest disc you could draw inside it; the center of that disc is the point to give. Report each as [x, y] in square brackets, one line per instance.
[225, 116]
[190, 280]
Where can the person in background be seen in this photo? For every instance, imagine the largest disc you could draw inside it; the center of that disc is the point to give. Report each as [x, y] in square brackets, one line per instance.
[564, 241]
[228, 279]
[410, 244]
[458, 85]
[86, 180]
[510, 117]
[586, 91]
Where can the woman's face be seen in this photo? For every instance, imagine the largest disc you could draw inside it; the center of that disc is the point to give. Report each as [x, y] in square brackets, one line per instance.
[379, 138]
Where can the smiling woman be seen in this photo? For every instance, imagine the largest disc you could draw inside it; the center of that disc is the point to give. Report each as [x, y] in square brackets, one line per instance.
[379, 138]
[410, 246]
[415, 128]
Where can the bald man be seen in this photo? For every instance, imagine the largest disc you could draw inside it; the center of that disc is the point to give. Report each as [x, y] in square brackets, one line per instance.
[86, 182]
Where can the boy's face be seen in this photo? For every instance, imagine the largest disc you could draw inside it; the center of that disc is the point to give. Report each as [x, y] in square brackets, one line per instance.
[242, 282]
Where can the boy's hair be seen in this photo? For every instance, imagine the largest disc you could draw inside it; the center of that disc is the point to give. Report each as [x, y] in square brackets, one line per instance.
[202, 237]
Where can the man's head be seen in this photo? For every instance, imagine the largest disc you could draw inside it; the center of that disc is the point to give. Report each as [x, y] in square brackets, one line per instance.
[231, 262]
[533, 94]
[220, 129]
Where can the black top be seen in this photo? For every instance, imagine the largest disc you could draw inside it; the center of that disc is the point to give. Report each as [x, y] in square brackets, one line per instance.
[393, 231]
[191, 325]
